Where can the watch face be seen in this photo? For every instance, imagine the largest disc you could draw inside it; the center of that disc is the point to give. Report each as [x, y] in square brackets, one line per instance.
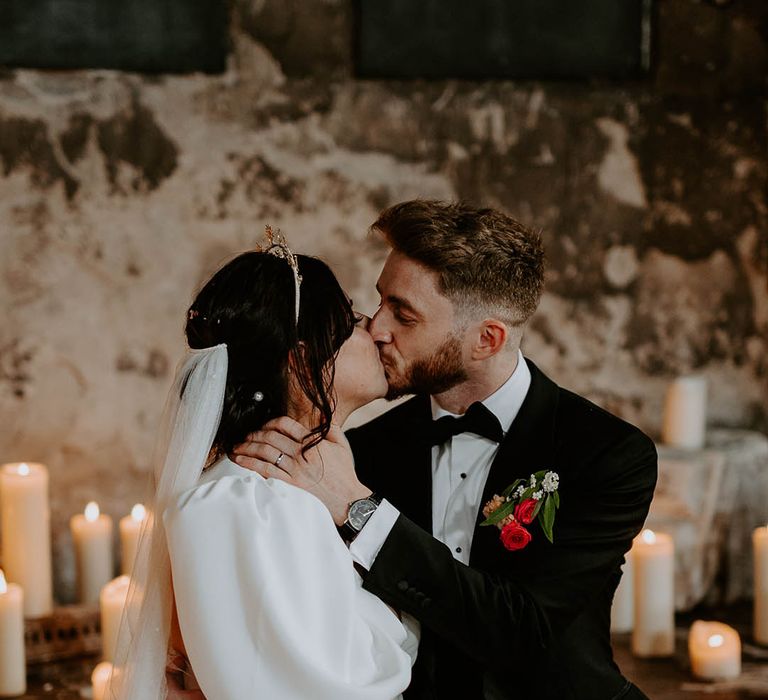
[359, 512]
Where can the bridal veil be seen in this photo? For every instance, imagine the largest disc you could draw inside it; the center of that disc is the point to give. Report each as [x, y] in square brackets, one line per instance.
[190, 421]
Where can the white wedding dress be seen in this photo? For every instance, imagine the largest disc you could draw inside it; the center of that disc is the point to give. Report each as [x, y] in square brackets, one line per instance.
[268, 601]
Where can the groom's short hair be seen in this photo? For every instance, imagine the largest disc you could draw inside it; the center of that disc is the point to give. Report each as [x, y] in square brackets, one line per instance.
[486, 261]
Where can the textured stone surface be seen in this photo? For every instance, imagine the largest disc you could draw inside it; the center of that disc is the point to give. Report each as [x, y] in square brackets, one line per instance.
[120, 193]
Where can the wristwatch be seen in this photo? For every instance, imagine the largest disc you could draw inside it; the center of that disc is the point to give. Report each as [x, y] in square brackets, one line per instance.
[358, 515]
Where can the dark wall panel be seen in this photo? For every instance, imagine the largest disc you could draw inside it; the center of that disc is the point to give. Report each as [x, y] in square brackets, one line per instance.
[154, 36]
[503, 38]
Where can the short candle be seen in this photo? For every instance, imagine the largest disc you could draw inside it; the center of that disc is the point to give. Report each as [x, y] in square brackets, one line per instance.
[130, 530]
[111, 605]
[100, 680]
[654, 620]
[714, 650]
[92, 537]
[623, 608]
[685, 413]
[760, 553]
[13, 671]
[25, 525]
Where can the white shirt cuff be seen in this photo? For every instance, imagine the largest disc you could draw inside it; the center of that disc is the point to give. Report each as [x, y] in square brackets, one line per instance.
[369, 542]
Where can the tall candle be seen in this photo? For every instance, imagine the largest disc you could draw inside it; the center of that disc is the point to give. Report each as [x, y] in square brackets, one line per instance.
[653, 562]
[130, 528]
[714, 650]
[92, 537]
[685, 413]
[623, 608]
[100, 680]
[111, 604]
[760, 551]
[25, 524]
[13, 672]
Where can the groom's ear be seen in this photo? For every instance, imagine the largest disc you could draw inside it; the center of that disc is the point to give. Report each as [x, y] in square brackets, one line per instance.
[491, 337]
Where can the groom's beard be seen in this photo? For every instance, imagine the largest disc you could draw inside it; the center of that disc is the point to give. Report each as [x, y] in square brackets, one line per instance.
[441, 371]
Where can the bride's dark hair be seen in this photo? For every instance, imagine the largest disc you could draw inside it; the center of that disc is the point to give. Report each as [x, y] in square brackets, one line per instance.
[249, 304]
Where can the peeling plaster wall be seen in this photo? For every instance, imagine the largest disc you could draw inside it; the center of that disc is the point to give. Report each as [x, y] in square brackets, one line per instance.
[119, 194]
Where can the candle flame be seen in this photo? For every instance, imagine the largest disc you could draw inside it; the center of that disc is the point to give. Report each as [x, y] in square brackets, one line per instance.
[716, 640]
[138, 512]
[92, 511]
[3, 584]
[649, 536]
[23, 469]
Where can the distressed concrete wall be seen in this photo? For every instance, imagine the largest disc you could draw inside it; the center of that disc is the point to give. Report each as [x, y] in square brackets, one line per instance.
[119, 194]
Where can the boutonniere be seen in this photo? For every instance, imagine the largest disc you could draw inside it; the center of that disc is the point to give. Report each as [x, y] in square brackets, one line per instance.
[520, 504]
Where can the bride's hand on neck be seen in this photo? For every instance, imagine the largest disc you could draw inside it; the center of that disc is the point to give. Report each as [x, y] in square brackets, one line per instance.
[326, 470]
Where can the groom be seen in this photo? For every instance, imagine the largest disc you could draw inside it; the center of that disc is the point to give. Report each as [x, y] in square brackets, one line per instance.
[457, 291]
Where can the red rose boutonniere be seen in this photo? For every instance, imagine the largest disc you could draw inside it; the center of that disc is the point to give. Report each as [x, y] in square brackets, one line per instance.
[520, 504]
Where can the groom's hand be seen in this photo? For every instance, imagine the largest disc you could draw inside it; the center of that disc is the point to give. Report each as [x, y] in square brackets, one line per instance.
[326, 470]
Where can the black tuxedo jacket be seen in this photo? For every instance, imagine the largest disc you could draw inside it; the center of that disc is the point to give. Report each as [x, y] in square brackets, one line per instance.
[532, 623]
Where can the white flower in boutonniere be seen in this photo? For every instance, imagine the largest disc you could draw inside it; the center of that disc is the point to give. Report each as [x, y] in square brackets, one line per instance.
[550, 482]
[520, 504]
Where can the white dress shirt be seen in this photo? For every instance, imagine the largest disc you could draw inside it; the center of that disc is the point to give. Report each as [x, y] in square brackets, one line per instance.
[460, 469]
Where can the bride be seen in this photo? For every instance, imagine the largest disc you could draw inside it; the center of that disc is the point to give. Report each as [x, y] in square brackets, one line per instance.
[247, 577]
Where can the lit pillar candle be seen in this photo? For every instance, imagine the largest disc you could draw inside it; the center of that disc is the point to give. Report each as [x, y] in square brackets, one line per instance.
[13, 672]
[715, 651]
[653, 562]
[100, 680]
[685, 413]
[92, 537]
[25, 523]
[760, 551]
[111, 604]
[130, 528]
[623, 608]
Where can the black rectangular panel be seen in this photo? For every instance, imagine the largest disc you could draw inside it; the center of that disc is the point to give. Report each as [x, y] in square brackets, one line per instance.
[536, 39]
[154, 36]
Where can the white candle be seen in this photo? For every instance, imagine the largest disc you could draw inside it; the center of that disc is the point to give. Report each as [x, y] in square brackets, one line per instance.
[130, 528]
[100, 680]
[111, 604]
[13, 672]
[685, 413]
[715, 651]
[760, 551]
[25, 523]
[653, 561]
[623, 608]
[92, 537]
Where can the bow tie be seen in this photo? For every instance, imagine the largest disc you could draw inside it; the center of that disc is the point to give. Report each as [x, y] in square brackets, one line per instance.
[478, 420]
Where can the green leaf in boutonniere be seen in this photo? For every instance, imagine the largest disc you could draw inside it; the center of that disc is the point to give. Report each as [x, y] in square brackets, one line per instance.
[548, 516]
[500, 513]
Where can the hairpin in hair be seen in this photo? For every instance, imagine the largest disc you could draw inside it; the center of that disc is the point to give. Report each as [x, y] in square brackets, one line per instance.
[277, 246]
[258, 396]
[194, 313]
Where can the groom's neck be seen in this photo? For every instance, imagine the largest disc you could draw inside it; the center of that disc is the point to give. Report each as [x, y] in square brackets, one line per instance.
[482, 381]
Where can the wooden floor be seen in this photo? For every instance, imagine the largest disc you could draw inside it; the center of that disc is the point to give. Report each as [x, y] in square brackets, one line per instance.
[660, 679]
[670, 679]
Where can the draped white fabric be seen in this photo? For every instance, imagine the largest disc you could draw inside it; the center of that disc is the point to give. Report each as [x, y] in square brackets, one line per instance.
[269, 603]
